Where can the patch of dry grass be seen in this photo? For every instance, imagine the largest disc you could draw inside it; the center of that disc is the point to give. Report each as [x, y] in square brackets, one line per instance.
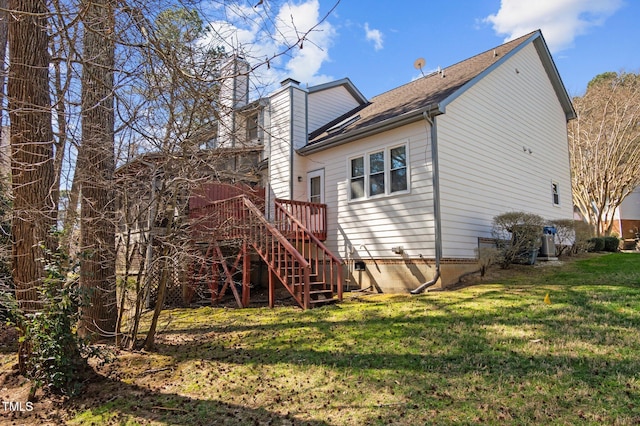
[488, 353]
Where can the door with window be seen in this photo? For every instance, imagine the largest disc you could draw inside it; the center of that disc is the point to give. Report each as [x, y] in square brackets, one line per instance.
[315, 191]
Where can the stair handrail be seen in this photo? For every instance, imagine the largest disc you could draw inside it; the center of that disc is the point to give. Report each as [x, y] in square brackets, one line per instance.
[274, 231]
[312, 238]
[268, 225]
[310, 234]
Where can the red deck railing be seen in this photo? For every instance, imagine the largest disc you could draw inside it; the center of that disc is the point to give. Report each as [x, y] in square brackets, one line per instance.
[291, 246]
[326, 268]
[312, 216]
[239, 219]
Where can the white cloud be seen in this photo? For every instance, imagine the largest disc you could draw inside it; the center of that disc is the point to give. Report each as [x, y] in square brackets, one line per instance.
[561, 21]
[374, 35]
[292, 37]
[293, 22]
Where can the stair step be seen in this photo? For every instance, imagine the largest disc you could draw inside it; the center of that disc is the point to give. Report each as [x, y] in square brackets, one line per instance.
[314, 285]
[323, 301]
[321, 292]
[311, 277]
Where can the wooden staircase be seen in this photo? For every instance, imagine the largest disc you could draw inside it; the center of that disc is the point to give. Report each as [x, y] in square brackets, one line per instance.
[294, 254]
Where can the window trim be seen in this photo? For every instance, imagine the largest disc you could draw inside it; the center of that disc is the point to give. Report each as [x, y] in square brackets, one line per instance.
[369, 174]
[366, 157]
[555, 193]
[351, 177]
[249, 128]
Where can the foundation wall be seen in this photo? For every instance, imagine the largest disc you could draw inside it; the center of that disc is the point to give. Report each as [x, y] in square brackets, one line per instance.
[402, 276]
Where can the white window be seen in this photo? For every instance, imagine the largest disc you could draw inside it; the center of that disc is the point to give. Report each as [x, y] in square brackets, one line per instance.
[555, 193]
[379, 173]
[376, 173]
[252, 127]
[398, 169]
[212, 143]
[357, 178]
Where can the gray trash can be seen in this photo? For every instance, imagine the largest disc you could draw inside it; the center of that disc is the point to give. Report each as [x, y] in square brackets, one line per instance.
[548, 248]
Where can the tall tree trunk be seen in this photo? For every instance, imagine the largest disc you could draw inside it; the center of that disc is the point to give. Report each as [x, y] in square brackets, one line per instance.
[31, 147]
[4, 30]
[97, 225]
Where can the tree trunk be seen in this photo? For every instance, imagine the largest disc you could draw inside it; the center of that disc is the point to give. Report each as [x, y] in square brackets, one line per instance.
[31, 147]
[164, 277]
[4, 28]
[97, 223]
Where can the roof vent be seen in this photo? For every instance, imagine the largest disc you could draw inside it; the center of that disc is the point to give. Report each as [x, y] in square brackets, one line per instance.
[344, 123]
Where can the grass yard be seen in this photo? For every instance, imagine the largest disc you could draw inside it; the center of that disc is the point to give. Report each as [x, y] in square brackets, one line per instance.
[488, 353]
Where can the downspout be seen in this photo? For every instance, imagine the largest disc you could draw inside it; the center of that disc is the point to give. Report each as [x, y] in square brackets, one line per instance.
[234, 103]
[436, 203]
[267, 140]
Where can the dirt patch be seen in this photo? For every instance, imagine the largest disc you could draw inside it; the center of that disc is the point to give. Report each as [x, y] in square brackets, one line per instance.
[8, 337]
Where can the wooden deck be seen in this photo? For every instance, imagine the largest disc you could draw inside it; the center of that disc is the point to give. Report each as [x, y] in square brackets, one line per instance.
[291, 246]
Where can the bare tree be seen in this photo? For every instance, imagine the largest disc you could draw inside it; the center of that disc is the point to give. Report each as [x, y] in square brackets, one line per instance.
[97, 225]
[605, 147]
[195, 124]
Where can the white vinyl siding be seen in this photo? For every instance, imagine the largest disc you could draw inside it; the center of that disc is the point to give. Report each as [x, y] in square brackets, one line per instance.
[280, 144]
[327, 105]
[483, 143]
[372, 226]
[288, 127]
[630, 207]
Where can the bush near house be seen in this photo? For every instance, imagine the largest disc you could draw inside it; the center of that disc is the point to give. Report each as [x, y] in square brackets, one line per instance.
[609, 244]
[518, 237]
[583, 233]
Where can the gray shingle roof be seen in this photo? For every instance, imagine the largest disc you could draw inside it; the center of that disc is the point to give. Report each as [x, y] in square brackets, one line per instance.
[417, 96]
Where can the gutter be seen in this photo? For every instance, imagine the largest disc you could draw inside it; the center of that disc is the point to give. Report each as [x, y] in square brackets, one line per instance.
[436, 202]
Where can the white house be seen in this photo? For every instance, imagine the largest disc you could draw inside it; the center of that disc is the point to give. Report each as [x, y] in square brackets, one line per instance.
[412, 178]
[409, 180]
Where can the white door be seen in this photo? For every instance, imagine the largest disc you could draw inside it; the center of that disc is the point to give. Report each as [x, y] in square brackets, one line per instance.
[315, 186]
[315, 193]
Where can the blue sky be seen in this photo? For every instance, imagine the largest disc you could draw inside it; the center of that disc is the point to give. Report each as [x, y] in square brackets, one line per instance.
[375, 43]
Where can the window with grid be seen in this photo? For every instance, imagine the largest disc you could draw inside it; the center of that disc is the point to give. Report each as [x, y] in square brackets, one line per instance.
[398, 169]
[357, 178]
[252, 127]
[379, 173]
[555, 193]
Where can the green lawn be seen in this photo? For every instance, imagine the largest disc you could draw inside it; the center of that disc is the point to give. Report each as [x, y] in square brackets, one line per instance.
[489, 353]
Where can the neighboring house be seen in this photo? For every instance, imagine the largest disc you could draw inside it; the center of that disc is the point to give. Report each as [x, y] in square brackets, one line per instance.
[627, 218]
[412, 178]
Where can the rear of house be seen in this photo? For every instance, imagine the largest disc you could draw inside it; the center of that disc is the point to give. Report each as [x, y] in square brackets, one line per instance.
[403, 187]
[413, 180]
